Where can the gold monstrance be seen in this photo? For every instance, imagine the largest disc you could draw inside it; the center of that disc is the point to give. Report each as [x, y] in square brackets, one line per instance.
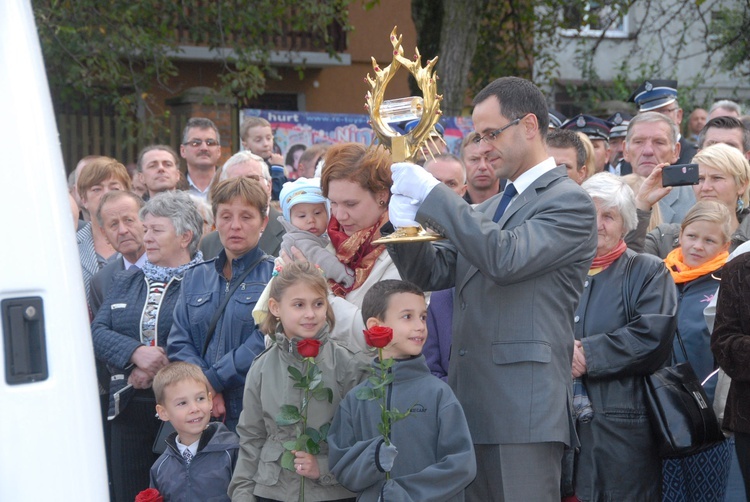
[405, 147]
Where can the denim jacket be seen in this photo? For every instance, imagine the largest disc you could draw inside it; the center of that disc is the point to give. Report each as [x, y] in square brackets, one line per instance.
[236, 340]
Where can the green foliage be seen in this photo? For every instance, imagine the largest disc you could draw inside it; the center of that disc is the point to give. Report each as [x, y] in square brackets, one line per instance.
[729, 32]
[378, 390]
[308, 439]
[113, 53]
[288, 415]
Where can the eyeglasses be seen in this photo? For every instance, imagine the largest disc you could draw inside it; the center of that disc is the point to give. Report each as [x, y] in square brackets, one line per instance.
[492, 136]
[195, 143]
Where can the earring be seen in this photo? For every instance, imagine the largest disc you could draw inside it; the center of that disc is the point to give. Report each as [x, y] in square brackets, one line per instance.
[740, 205]
[382, 203]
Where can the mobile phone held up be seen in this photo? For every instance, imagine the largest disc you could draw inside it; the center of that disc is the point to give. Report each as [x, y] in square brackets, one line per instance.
[679, 175]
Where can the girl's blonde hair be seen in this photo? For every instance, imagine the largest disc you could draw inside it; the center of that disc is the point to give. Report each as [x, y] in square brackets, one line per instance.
[291, 274]
[590, 160]
[712, 212]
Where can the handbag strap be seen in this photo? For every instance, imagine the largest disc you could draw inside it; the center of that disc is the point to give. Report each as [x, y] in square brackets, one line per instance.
[626, 303]
[220, 311]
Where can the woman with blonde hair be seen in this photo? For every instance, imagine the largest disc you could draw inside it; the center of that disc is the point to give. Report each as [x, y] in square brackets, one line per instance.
[724, 176]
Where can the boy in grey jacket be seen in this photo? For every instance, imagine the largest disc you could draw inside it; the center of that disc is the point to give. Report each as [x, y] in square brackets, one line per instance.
[431, 455]
[200, 456]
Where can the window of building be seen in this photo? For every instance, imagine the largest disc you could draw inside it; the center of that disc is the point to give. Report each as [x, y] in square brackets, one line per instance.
[594, 19]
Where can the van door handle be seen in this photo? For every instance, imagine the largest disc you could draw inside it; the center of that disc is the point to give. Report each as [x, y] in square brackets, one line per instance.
[25, 344]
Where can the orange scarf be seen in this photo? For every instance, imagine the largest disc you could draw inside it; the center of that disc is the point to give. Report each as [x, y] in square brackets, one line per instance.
[356, 251]
[682, 273]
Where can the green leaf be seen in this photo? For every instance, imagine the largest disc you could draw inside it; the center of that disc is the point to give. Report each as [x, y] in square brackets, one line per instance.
[301, 442]
[316, 380]
[388, 363]
[396, 415]
[365, 394]
[314, 434]
[324, 431]
[323, 393]
[288, 415]
[382, 429]
[290, 445]
[313, 447]
[295, 373]
[287, 461]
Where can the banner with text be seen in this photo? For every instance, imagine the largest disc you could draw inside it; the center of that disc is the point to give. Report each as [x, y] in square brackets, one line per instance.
[295, 131]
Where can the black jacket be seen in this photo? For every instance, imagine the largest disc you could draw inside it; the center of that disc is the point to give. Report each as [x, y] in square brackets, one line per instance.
[618, 458]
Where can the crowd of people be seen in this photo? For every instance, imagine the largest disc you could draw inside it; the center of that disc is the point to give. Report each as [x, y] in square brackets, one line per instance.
[237, 311]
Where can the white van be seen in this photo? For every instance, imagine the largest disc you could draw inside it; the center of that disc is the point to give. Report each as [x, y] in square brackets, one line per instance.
[51, 446]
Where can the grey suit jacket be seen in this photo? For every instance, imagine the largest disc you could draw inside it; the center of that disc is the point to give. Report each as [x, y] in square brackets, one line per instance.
[270, 239]
[101, 282]
[675, 205]
[518, 283]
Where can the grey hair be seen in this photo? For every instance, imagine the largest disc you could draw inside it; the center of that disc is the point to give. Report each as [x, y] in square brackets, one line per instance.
[199, 123]
[614, 194]
[204, 208]
[727, 105]
[181, 211]
[651, 117]
[242, 157]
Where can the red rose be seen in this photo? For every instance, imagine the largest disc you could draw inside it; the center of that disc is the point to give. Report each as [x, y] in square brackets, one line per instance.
[308, 347]
[149, 495]
[378, 336]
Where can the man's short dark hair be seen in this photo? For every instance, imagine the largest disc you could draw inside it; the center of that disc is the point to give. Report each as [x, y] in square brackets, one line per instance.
[517, 97]
[377, 297]
[151, 148]
[565, 138]
[725, 122]
[199, 123]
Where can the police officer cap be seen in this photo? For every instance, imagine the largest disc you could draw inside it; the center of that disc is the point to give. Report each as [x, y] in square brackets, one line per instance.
[619, 124]
[653, 94]
[556, 119]
[593, 127]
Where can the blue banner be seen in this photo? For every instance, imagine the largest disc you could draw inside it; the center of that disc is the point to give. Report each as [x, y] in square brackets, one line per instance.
[295, 131]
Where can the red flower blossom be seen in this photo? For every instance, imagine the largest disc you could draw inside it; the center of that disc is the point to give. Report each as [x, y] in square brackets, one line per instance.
[308, 347]
[378, 336]
[149, 495]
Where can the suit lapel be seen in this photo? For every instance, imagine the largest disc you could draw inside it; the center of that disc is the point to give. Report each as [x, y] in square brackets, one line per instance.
[527, 196]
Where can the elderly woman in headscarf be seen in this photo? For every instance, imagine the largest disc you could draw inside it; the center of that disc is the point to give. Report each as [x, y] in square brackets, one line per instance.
[130, 333]
[624, 327]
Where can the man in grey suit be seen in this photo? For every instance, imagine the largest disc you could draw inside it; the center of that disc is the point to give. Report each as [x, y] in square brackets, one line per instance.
[518, 275]
[118, 217]
[248, 165]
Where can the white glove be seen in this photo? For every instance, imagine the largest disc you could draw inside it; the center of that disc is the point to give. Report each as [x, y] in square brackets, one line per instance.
[412, 180]
[402, 211]
[386, 456]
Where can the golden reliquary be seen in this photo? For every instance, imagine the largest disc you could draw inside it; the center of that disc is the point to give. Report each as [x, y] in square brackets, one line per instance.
[422, 138]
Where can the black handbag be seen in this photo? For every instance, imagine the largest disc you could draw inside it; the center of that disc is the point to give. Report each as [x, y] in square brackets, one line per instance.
[682, 419]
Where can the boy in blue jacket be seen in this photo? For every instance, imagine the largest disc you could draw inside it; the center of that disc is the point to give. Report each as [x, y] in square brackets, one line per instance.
[200, 456]
[431, 455]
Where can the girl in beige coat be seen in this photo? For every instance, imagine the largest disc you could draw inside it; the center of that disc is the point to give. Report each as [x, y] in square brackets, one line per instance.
[300, 317]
